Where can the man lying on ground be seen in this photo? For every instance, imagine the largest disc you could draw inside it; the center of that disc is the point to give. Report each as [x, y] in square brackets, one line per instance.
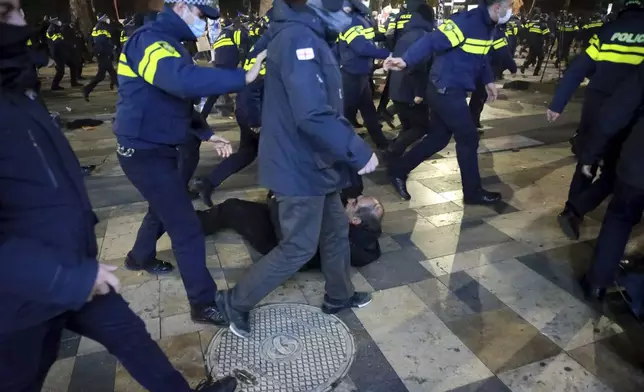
[257, 223]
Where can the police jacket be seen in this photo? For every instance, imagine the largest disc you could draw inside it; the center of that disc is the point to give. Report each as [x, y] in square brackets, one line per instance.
[589, 29]
[613, 54]
[158, 80]
[47, 243]
[621, 118]
[395, 25]
[102, 39]
[248, 103]
[460, 48]
[356, 47]
[55, 39]
[512, 29]
[231, 47]
[412, 82]
[567, 31]
[500, 56]
[307, 147]
[537, 31]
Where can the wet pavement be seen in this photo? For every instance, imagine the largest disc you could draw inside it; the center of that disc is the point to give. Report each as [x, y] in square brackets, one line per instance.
[465, 298]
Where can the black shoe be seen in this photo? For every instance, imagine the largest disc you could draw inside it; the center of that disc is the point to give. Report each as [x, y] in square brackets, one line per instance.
[478, 125]
[535, 73]
[483, 197]
[569, 223]
[592, 292]
[356, 124]
[358, 300]
[205, 189]
[400, 185]
[207, 314]
[81, 78]
[228, 384]
[86, 94]
[237, 321]
[112, 86]
[57, 88]
[522, 70]
[77, 85]
[152, 266]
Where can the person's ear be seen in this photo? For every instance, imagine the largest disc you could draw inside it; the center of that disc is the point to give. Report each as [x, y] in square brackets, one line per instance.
[355, 221]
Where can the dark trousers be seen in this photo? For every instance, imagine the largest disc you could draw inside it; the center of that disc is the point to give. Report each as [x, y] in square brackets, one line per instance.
[415, 125]
[450, 116]
[104, 66]
[512, 44]
[61, 60]
[245, 155]
[357, 96]
[624, 212]
[563, 52]
[384, 98]
[207, 107]
[535, 56]
[305, 222]
[477, 102]
[161, 176]
[27, 355]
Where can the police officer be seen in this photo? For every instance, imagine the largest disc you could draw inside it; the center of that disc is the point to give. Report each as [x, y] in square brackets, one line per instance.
[356, 51]
[500, 60]
[566, 33]
[512, 32]
[408, 87]
[537, 35]
[104, 51]
[230, 50]
[620, 113]
[306, 154]
[60, 52]
[51, 279]
[592, 27]
[612, 56]
[460, 49]
[157, 81]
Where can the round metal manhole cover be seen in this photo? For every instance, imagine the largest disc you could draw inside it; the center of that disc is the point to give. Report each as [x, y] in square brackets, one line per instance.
[293, 348]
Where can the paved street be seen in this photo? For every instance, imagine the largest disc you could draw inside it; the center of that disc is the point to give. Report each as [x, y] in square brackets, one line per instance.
[465, 298]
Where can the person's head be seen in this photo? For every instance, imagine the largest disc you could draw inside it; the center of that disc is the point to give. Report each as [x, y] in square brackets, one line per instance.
[331, 12]
[366, 212]
[103, 18]
[500, 10]
[427, 13]
[11, 13]
[194, 13]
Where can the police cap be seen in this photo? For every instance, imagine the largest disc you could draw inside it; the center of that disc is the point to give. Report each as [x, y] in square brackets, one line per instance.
[205, 6]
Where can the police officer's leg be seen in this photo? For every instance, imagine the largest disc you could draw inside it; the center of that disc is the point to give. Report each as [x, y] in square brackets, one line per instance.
[624, 211]
[60, 70]
[529, 60]
[384, 98]
[245, 155]
[156, 175]
[114, 79]
[417, 119]
[369, 115]
[477, 102]
[189, 158]
[99, 77]
[207, 107]
[539, 56]
[352, 95]
[597, 190]
[335, 252]
[109, 320]
[27, 355]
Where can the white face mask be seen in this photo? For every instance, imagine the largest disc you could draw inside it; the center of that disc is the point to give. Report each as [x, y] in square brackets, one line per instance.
[197, 26]
[505, 18]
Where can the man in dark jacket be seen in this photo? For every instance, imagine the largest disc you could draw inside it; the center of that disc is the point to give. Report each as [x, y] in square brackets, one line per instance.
[60, 50]
[51, 278]
[407, 88]
[623, 108]
[104, 51]
[306, 154]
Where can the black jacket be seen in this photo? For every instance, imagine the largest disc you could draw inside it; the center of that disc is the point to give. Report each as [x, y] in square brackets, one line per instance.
[622, 117]
[47, 243]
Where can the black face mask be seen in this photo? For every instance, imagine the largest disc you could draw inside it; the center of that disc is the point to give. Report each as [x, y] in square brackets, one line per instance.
[17, 71]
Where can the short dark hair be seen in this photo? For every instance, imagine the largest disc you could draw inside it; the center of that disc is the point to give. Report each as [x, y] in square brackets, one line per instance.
[368, 219]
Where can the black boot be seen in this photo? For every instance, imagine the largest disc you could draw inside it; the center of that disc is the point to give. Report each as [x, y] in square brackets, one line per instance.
[153, 266]
[57, 88]
[205, 189]
[208, 314]
[482, 197]
[228, 384]
[238, 321]
[592, 292]
[569, 223]
[400, 185]
[86, 93]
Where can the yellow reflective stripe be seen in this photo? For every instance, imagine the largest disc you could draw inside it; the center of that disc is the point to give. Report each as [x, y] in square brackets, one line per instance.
[639, 50]
[535, 30]
[401, 24]
[391, 25]
[151, 57]
[29, 43]
[475, 41]
[593, 52]
[248, 64]
[546, 31]
[499, 43]
[125, 70]
[475, 49]
[615, 53]
[237, 37]
[594, 40]
[452, 32]
[223, 42]
[351, 34]
[97, 33]
[381, 29]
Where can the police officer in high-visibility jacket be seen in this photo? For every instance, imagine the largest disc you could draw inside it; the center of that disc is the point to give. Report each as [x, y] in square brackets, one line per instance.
[592, 26]
[158, 81]
[460, 48]
[537, 34]
[612, 56]
[356, 51]
[104, 51]
[512, 32]
[566, 33]
[60, 52]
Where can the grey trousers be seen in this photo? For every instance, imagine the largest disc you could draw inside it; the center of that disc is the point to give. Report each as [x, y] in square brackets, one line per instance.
[305, 223]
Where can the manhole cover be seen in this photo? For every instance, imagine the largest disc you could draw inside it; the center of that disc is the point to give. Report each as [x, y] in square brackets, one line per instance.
[293, 348]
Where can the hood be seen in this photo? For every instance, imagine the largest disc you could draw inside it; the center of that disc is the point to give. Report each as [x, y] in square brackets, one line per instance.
[283, 16]
[482, 11]
[170, 23]
[418, 22]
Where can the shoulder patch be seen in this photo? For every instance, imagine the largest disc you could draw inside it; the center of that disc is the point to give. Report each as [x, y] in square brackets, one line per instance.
[167, 47]
[305, 54]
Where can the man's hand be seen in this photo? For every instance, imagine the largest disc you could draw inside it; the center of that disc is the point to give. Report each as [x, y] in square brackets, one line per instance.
[370, 166]
[552, 116]
[105, 280]
[492, 92]
[253, 73]
[394, 64]
[418, 100]
[222, 146]
[587, 171]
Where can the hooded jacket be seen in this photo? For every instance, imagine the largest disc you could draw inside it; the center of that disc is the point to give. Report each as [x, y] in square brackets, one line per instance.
[307, 147]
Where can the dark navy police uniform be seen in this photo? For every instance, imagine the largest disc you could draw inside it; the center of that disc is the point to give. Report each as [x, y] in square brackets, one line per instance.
[104, 51]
